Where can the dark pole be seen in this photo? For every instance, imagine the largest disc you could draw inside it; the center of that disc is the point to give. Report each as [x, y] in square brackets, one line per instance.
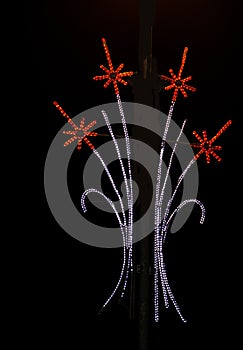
[146, 86]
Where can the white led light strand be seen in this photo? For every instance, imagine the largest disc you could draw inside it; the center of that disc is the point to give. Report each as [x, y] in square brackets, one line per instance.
[123, 225]
[84, 195]
[160, 259]
[157, 219]
[130, 198]
[162, 240]
[160, 231]
[164, 229]
[128, 149]
[120, 160]
[186, 201]
[181, 177]
[93, 190]
[112, 182]
[165, 282]
[170, 163]
[162, 152]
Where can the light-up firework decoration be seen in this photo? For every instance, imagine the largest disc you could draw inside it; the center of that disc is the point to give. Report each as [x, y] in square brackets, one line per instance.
[80, 132]
[112, 75]
[176, 82]
[162, 222]
[207, 145]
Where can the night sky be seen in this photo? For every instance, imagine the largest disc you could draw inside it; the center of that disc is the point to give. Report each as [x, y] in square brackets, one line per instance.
[72, 280]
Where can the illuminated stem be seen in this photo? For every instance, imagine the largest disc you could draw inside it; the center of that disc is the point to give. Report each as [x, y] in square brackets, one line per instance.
[160, 233]
[112, 182]
[164, 231]
[130, 196]
[181, 177]
[119, 157]
[157, 218]
[161, 258]
[171, 295]
[170, 163]
[181, 205]
[164, 280]
[162, 236]
[92, 190]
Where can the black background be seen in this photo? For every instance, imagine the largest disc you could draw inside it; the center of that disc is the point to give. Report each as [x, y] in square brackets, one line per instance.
[70, 280]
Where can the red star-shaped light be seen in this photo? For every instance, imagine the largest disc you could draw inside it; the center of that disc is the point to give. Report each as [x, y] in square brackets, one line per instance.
[207, 145]
[112, 75]
[176, 82]
[79, 133]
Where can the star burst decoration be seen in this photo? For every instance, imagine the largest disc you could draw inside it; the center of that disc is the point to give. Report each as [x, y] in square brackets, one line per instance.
[112, 75]
[80, 132]
[176, 82]
[207, 146]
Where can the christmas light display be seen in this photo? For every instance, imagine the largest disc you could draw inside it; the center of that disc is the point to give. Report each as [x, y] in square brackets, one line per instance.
[162, 221]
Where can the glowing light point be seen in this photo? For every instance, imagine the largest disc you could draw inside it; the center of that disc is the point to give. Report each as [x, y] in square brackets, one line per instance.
[207, 146]
[80, 133]
[112, 75]
[177, 82]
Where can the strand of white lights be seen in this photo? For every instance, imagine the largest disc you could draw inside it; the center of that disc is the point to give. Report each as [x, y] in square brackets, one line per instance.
[93, 190]
[128, 149]
[162, 153]
[112, 182]
[186, 201]
[181, 177]
[163, 272]
[160, 258]
[120, 160]
[172, 298]
[170, 163]
[84, 195]
[165, 228]
[163, 275]
[166, 283]
[121, 204]
[157, 217]
[161, 266]
[130, 198]
[159, 251]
